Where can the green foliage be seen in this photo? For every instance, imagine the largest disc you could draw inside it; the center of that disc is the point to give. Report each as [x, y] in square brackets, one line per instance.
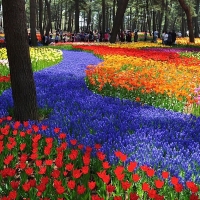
[4, 86]
[191, 54]
[61, 47]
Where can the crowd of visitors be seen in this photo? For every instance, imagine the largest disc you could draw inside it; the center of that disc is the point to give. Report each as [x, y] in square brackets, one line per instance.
[90, 36]
[168, 38]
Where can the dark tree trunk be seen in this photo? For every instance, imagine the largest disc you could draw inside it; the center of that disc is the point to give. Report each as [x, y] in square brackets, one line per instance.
[103, 17]
[33, 22]
[48, 5]
[154, 20]
[69, 27]
[22, 81]
[196, 19]
[113, 12]
[37, 14]
[77, 11]
[60, 16]
[107, 17]
[66, 15]
[183, 23]
[187, 10]
[89, 19]
[122, 5]
[148, 17]
[100, 21]
[41, 17]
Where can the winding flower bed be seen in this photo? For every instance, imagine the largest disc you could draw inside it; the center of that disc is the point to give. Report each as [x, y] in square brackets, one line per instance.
[40, 59]
[168, 79]
[137, 142]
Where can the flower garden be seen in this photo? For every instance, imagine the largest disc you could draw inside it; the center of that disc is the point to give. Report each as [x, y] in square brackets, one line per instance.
[123, 124]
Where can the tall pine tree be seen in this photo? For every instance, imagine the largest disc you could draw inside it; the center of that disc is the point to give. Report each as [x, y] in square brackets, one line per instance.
[21, 74]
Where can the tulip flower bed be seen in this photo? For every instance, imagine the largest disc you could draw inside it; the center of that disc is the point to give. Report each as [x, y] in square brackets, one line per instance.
[40, 58]
[168, 80]
[137, 143]
[36, 167]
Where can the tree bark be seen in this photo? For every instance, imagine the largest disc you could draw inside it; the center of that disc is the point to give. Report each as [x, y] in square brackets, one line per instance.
[196, 19]
[49, 26]
[69, 27]
[41, 17]
[21, 74]
[122, 5]
[113, 11]
[187, 11]
[77, 11]
[103, 17]
[33, 22]
[89, 19]
[66, 15]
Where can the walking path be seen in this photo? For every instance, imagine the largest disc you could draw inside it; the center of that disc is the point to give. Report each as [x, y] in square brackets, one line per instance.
[152, 136]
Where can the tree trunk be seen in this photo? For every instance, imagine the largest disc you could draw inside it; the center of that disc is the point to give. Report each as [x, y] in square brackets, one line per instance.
[66, 15]
[37, 15]
[77, 11]
[21, 74]
[41, 18]
[154, 21]
[69, 27]
[33, 22]
[187, 10]
[196, 19]
[183, 23]
[113, 12]
[107, 17]
[48, 28]
[118, 18]
[61, 15]
[89, 19]
[99, 22]
[103, 17]
[148, 17]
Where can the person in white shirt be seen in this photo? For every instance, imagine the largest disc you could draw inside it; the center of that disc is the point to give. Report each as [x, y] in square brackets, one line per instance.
[165, 38]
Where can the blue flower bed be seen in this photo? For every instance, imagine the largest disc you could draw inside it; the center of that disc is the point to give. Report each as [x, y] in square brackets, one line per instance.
[162, 139]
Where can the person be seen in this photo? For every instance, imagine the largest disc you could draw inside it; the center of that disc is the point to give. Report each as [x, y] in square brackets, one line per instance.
[129, 37]
[29, 39]
[173, 37]
[179, 34]
[165, 38]
[155, 36]
[91, 37]
[56, 38]
[122, 36]
[61, 35]
[64, 38]
[50, 38]
[82, 36]
[169, 39]
[45, 39]
[136, 36]
[95, 35]
[145, 36]
[106, 37]
[98, 36]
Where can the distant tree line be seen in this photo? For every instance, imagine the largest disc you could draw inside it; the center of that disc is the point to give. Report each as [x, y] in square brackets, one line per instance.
[144, 15]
